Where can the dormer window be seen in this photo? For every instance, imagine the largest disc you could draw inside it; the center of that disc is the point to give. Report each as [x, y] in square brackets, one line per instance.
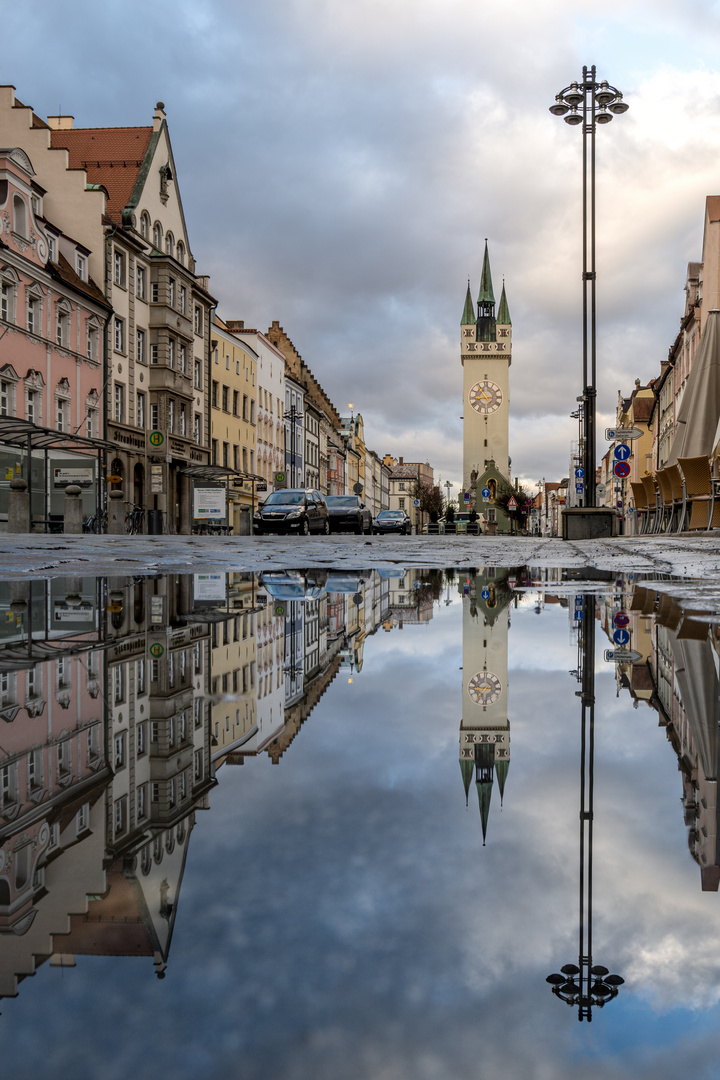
[52, 248]
[81, 266]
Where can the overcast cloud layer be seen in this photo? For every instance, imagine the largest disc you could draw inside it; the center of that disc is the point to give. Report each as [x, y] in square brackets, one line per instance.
[341, 164]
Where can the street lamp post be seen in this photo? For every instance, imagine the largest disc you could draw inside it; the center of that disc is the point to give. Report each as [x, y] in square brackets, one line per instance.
[589, 103]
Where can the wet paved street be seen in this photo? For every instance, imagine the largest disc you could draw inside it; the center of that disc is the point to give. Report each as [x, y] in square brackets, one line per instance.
[20, 556]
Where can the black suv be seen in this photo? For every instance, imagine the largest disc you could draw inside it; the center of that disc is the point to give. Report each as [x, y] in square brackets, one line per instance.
[303, 509]
[349, 512]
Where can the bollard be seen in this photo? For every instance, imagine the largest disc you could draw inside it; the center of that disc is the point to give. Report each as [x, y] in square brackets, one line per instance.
[116, 513]
[18, 506]
[73, 509]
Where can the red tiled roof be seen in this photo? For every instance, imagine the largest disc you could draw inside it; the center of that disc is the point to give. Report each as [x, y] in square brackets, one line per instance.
[642, 408]
[110, 156]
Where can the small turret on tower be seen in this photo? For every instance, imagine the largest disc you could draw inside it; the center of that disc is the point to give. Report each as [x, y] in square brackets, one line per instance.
[486, 303]
[503, 315]
[468, 318]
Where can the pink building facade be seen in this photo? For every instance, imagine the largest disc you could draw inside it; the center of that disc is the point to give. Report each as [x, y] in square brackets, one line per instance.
[52, 328]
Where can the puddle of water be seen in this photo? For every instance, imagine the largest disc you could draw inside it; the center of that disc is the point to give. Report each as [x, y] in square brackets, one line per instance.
[473, 810]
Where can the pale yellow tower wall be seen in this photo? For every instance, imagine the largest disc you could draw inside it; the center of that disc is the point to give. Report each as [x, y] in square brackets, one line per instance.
[483, 360]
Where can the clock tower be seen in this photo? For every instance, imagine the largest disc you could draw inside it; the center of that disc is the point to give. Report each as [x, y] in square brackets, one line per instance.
[486, 353]
[485, 727]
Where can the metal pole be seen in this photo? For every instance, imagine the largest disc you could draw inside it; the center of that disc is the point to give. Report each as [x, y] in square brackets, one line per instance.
[592, 389]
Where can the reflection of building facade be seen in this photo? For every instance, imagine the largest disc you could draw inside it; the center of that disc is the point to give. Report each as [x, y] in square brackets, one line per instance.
[485, 728]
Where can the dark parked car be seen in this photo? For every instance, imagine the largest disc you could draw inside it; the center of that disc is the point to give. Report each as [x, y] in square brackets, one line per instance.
[348, 512]
[392, 521]
[303, 509]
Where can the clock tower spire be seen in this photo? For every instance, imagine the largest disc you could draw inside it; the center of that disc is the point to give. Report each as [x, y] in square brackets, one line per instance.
[486, 354]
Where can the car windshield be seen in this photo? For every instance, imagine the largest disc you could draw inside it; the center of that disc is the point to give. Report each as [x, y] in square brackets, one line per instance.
[287, 498]
[341, 501]
[384, 514]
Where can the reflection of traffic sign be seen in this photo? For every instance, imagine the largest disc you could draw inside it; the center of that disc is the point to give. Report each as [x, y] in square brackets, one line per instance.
[613, 433]
[621, 619]
[621, 468]
[622, 452]
[357, 488]
[279, 610]
[156, 650]
[156, 438]
[485, 594]
[416, 502]
[579, 488]
[621, 637]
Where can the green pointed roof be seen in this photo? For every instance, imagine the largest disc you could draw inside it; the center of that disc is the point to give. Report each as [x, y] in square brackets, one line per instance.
[468, 318]
[501, 771]
[467, 766]
[486, 294]
[484, 790]
[503, 315]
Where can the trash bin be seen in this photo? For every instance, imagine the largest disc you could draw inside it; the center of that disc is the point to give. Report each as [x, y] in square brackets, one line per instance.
[154, 522]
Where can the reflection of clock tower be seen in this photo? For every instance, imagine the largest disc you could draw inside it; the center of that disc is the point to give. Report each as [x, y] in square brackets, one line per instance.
[485, 728]
[486, 355]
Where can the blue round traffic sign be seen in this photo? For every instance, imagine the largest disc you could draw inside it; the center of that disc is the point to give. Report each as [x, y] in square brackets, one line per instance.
[621, 468]
[485, 594]
[622, 452]
[621, 636]
[486, 493]
[579, 471]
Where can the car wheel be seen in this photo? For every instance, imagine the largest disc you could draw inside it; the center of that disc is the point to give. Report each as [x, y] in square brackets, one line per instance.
[326, 527]
[358, 529]
[305, 527]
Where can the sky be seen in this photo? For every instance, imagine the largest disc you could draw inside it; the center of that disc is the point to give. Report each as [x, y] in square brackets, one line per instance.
[341, 164]
[340, 917]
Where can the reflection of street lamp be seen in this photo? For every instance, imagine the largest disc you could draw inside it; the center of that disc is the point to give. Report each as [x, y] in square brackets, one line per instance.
[589, 103]
[593, 985]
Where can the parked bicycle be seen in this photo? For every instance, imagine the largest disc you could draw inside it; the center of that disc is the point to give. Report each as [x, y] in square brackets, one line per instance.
[134, 520]
[92, 523]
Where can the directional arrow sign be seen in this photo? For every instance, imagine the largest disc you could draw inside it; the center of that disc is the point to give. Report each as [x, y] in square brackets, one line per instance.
[621, 637]
[613, 433]
[622, 452]
[579, 472]
[622, 656]
[486, 493]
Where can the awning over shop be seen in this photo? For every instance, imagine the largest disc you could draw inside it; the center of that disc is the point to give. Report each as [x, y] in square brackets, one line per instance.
[220, 474]
[699, 412]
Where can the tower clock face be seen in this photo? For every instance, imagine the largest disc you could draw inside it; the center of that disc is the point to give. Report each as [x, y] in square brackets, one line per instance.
[484, 688]
[485, 397]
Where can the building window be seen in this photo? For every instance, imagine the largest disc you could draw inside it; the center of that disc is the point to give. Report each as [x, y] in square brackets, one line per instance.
[169, 243]
[171, 352]
[245, 407]
[182, 362]
[183, 419]
[154, 417]
[81, 265]
[171, 415]
[62, 414]
[119, 746]
[140, 352]
[226, 457]
[198, 320]
[141, 283]
[52, 249]
[214, 395]
[198, 374]
[142, 801]
[32, 406]
[171, 292]
[6, 302]
[145, 225]
[225, 397]
[140, 739]
[20, 217]
[119, 335]
[157, 235]
[119, 268]
[120, 815]
[155, 292]
[93, 340]
[214, 450]
[6, 398]
[119, 403]
[196, 431]
[236, 402]
[252, 410]
[183, 300]
[154, 354]
[34, 312]
[140, 411]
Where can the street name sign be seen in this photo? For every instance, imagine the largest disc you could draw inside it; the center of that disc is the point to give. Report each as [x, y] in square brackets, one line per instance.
[622, 656]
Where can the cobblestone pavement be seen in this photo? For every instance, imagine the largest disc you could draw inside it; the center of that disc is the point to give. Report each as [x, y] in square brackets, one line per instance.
[46, 556]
